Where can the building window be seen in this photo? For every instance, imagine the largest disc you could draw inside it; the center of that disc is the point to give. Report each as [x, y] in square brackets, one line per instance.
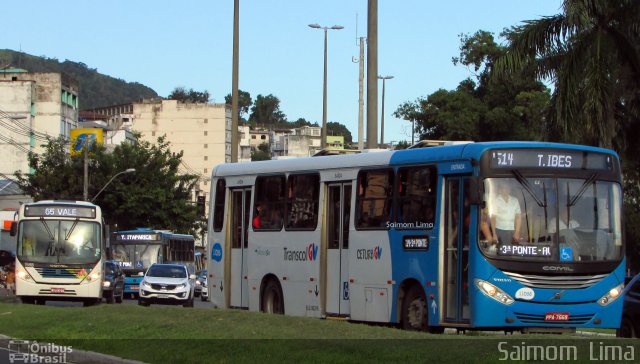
[206, 121]
[205, 146]
[205, 171]
[206, 157]
[153, 133]
[263, 137]
[206, 133]
[253, 137]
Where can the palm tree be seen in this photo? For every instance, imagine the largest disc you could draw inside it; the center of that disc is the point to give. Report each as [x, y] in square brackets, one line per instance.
[591, 54]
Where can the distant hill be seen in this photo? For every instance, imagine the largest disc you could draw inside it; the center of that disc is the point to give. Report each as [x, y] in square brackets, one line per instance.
[96, 90]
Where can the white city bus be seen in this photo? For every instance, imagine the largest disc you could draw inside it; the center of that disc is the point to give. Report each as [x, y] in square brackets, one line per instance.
[60, 252]
[399, 237]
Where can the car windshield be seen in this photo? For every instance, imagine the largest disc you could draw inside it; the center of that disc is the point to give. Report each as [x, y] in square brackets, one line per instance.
[551, 219]
[167, 271]
[137, 256]
[59, 241]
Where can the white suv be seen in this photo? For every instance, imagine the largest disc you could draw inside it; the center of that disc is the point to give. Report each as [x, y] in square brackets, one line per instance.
[167, 283]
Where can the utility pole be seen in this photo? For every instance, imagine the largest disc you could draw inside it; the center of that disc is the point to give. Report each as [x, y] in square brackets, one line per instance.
[372, 75]
[361, 96]
[234, 83]
[85, 194]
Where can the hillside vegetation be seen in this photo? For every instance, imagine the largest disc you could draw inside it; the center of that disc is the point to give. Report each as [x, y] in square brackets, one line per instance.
[96, 89]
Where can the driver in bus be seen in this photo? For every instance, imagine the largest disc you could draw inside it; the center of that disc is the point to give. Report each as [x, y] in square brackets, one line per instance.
[28, 242]
[505, 216]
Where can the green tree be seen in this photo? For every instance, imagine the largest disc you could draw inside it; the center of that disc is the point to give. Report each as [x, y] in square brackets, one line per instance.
[191, 96]
[335, 128]
[592, 53]
[244, 103]
[485, 107]
[263, 153]
[266, 112]
[403, 144]
[156, 195]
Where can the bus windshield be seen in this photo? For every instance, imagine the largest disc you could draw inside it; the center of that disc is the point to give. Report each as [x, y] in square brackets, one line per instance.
[59, 241]
[551, 219]
[138, 256]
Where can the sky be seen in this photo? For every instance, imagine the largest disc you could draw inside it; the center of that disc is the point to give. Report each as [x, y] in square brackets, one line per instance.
[166, 44]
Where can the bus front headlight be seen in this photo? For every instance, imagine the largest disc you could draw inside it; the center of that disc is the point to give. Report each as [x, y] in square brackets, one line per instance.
[494, 292]
[24, 275]
[611, 296]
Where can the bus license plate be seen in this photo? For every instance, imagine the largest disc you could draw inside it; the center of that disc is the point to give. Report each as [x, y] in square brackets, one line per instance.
[556, 316]
[57, 290]
[135, 287]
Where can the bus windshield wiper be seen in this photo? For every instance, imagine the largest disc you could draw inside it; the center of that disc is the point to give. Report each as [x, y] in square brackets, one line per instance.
[47, 228]
[582, 189]
[523, 181]
[66, 237]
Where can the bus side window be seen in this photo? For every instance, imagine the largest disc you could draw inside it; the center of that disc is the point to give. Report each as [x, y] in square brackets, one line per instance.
[417, 195]
[374, 199]
[218, 211]
[302, 201]
[270, 197]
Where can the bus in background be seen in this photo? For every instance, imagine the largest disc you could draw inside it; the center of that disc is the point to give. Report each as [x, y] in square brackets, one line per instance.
[136, 250]
[504, 235]
[60, 252]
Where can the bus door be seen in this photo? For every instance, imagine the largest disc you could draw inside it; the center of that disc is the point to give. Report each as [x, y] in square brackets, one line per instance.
[456, 237]
[240, 212]
[337, 232]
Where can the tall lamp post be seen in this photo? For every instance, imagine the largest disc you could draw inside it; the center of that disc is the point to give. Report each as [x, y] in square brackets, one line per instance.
[323, 140]
[130, 170]
[383, 78]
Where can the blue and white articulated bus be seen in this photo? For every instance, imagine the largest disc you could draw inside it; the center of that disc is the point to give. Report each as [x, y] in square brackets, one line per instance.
[419, 237]
[136, 250]
[60, 252]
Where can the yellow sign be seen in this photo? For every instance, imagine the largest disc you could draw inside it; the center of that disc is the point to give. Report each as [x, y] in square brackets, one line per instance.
[82, 137]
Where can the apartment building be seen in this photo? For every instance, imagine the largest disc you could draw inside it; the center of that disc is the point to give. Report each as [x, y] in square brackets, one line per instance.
[33, 106]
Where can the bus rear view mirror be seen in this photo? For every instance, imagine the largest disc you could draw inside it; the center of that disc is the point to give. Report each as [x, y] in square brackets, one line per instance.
[476, 191]
[14, 228]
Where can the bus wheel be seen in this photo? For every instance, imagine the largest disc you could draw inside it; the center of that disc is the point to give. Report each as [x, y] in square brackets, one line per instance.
[626, 328]
[28, 300]
[272, 301]
[110, 297]
[414, 310]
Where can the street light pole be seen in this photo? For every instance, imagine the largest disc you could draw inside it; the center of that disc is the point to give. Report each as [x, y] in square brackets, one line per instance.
[323, 141]
[130, 170]
[383, 78]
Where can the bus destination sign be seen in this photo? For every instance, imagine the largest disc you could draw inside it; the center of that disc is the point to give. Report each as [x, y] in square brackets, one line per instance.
[554, 159]
[60, 211]
[538, 250]
[138, 237]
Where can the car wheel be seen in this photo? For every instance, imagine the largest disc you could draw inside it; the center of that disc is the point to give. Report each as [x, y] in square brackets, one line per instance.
[142, 302]
[272, 301]
[626, 328]
[109, 297]
[120, 297]
[189, 302]
[414, 310]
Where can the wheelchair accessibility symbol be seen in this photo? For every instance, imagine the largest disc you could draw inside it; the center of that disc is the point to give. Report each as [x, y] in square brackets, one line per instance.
[139, 264]
[566, 254]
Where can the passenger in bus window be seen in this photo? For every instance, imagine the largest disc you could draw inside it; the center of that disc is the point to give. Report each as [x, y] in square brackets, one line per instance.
[485, 226]
[28, 242]
[505, 216]
[257, 216]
